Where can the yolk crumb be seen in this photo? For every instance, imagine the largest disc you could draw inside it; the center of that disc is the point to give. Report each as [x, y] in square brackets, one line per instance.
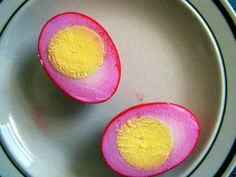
[144, 143]
[76, 51]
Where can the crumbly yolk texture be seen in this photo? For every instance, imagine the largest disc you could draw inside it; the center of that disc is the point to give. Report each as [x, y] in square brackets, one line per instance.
[76, 51]
[144, 143]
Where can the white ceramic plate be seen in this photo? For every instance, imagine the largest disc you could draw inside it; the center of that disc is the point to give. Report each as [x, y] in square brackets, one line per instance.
[168, 53]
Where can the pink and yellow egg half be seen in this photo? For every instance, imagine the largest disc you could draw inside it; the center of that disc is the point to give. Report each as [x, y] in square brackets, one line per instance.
[80, 57]
[149, 139]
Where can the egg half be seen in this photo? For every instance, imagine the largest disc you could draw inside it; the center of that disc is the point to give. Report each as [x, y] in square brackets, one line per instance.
[80, 57]
[149, 139]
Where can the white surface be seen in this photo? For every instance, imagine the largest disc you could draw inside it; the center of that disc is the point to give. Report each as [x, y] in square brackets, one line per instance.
[7, 7]
[6, 167]
[181, 58]
[227, 133]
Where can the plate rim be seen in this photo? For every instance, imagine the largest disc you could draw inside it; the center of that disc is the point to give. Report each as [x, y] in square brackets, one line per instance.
[225, 101]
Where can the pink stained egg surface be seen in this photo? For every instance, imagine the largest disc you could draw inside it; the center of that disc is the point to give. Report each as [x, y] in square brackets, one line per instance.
[80, 57]
[149, 139]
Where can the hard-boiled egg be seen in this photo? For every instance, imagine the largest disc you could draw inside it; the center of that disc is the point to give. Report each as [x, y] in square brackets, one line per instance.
[80, 57]
[149, 139]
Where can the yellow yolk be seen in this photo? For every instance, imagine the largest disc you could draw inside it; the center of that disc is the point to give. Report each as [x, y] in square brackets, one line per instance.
[76, 51]
[144, 143]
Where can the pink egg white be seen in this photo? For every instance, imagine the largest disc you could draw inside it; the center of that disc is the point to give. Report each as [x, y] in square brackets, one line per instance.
[96, 88]
[182, 123]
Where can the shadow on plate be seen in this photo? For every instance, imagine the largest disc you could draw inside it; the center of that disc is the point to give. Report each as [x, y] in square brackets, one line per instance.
[89, 161]
[50, 106]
